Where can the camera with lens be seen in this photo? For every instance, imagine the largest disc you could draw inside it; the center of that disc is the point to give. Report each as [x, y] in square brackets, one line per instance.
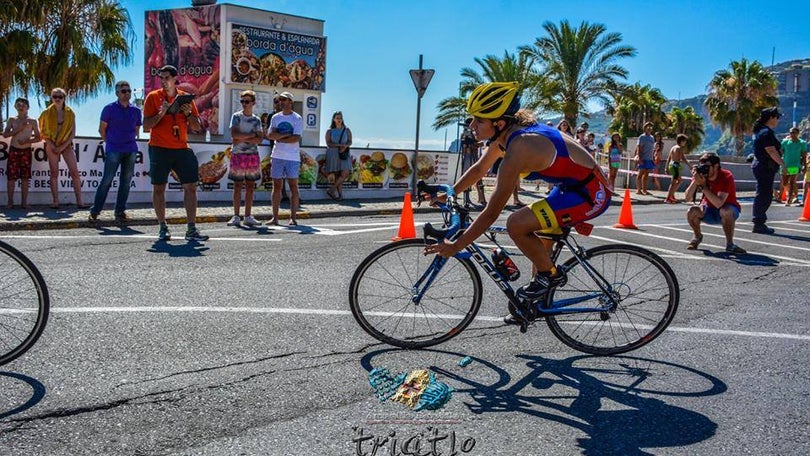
[703, 169]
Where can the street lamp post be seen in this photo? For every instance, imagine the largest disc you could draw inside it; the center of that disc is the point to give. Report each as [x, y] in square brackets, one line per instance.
[795, 95]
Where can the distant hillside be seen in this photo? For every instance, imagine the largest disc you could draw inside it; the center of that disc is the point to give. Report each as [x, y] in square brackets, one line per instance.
[784, 72]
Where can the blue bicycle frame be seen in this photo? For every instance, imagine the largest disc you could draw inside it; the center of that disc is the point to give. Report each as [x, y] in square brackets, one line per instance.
[473, 250]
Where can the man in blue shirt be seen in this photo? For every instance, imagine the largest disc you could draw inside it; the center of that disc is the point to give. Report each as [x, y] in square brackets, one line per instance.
[119, 127]
[644, 158]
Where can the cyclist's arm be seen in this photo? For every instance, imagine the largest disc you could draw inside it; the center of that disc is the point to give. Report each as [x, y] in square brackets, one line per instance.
[504, 185]
[478, 170]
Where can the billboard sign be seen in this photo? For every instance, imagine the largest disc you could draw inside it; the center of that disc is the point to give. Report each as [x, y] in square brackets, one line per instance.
[189, 39]
[272, 57]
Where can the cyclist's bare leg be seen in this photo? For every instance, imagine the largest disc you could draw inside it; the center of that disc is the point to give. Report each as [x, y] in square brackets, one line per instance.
[522, 225]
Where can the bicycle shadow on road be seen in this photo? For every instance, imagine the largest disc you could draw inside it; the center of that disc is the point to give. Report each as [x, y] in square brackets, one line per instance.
[618, 402]
[38, 393]
[188, 249]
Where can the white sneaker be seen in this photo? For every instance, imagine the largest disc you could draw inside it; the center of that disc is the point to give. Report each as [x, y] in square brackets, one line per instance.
[235, 221]
[250, 221]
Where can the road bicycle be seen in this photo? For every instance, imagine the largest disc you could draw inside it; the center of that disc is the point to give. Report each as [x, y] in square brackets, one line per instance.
[24, 303]
[617, 297]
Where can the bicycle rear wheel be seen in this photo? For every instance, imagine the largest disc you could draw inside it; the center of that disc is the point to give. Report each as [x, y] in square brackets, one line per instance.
[382, 290]
[24, 303]
[644, 289]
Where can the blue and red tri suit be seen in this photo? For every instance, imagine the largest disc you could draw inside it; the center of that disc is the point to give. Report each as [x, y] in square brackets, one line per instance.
[580, 193]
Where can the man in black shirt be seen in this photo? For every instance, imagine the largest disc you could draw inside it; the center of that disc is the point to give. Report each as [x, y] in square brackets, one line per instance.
[767, 160]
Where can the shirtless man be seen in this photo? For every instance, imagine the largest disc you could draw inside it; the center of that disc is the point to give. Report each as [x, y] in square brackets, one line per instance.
[24, 131]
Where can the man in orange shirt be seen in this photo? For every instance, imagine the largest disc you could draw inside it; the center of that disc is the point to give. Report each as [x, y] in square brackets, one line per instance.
[169, 151]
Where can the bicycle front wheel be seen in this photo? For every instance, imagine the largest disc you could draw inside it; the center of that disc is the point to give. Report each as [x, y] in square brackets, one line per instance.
[643, 298]
[382, 290]
[24, 303]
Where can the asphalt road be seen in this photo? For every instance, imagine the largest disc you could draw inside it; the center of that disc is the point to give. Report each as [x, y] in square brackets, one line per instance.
[244, 345]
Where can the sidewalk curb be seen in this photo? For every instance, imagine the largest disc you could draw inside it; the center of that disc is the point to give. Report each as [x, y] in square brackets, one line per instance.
[314, 214]
[147, 221]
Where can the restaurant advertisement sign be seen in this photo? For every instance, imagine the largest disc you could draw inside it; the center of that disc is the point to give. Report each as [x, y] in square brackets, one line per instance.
[273, 57]
[187, 38]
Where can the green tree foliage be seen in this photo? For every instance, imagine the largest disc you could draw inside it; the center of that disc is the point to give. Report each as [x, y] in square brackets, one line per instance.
[736, 96]
[633, 106]
[512, 67]
[73, 44]
[686, 121]
[579, 64]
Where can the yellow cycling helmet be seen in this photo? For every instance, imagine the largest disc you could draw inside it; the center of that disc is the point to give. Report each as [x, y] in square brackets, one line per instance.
[494, 100]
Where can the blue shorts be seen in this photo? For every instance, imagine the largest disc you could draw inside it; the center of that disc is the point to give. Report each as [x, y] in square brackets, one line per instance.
[711, 215]
[567, 208]
[646, 164]
[284, 169]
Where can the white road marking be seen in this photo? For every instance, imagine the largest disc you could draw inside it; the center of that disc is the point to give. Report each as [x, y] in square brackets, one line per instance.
[787, 260]
[736, 237]
[178, 238]
[201, 309]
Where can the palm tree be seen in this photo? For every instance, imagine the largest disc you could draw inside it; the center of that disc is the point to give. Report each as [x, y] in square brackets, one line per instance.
[686, 121]
[737, 94]
[581, 62]
[534, 93]
[635, 105]
[73, 44]
[18, 43]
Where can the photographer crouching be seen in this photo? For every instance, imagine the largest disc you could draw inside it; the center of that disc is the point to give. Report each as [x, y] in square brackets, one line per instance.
[719, 203]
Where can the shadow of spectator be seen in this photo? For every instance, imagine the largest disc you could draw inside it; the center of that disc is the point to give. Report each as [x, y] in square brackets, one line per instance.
[189, 250]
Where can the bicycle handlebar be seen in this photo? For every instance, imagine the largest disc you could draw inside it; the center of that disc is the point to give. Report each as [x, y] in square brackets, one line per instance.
[449, 206]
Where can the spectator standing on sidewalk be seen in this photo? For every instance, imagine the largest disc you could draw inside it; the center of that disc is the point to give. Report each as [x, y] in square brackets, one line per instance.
[469, 155]
[615, 152]
[767, 160]
[644, 158]
[24, 131]
[658, 157]
[245, 169]
[338, 156]
[719, 203]
[168, 150]
[676, 163]
[285, 129]
[58, 126]
[119, 127]
[795, 152]
[806, 184]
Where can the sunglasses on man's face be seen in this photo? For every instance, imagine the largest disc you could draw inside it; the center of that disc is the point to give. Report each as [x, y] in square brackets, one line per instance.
[246, 101]
[125, 91]
[57, 97]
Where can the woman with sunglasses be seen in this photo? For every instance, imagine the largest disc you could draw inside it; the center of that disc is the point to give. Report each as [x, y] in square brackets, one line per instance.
[58, 126]
[245, 169]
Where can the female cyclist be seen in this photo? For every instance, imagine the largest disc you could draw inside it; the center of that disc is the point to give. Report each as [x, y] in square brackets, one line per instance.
[533, 151]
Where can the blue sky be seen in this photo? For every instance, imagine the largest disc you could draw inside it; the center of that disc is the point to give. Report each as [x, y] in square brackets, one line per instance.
[373, 44]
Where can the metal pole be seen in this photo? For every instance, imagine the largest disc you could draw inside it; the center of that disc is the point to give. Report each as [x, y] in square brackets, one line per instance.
[795, 95]
[416, 142]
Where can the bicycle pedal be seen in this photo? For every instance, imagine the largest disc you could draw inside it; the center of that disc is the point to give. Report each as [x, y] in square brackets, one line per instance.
[524, 327]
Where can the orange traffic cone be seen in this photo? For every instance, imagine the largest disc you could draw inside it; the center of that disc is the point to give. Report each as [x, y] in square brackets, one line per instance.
[626, 213]
[806, 212]
[782, 196]
[407, 228]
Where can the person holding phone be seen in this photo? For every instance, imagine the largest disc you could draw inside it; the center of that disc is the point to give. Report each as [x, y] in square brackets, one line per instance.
[169, 151]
